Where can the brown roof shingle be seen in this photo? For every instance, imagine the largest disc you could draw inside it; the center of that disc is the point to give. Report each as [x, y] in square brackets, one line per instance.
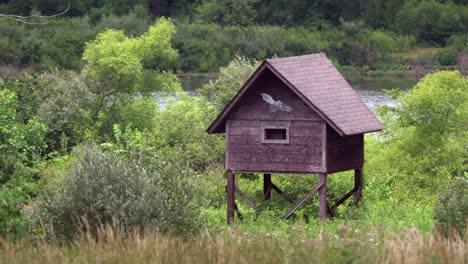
[325, 90]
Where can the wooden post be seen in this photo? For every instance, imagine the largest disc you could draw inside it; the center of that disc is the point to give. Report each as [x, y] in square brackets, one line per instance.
[267, 186]
[323, 209]
[230, 197]
[358, 182]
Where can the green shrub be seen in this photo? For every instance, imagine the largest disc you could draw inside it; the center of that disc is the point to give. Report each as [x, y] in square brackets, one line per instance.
[447, 57]
[103, 188]
[180, 132]
[458, 42]
[451, 210]
[13, 198]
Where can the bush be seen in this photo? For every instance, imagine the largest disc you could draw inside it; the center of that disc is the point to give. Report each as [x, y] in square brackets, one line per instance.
[451, 210]
[447, 57]
[13, 198]
[180, 132]
[458, 42]
[103, 188]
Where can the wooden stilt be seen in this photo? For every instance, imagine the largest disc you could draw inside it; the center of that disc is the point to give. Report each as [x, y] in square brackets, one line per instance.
[323, 209]
[267, 186]
[358, 183]
[230, 197]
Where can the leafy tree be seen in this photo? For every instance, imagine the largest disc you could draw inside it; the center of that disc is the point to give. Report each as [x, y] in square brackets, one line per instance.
[65, 108]
[437, 105]
[24, 141]
[116, 61]
[21, 144]
[424, 142]
[230, 80]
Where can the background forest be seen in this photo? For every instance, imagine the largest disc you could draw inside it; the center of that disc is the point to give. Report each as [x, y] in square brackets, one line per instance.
[368, 34]
[94, 167]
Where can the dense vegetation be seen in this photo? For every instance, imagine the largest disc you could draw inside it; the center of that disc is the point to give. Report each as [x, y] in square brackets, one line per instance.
[377, 35]
[88, 155]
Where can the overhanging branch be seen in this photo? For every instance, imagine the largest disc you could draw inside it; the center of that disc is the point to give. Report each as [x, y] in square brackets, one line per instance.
[24, 19]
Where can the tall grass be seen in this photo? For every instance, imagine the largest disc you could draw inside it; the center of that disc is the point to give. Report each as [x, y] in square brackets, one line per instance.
[111, 246]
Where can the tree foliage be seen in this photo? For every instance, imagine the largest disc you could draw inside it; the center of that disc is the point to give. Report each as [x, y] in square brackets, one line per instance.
[117, 61]
[424, 143]
[230, 80]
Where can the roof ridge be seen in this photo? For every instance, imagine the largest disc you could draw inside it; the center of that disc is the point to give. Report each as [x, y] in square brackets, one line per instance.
[298, 58]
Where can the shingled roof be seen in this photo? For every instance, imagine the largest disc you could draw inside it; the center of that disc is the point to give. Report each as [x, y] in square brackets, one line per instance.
[314, 79]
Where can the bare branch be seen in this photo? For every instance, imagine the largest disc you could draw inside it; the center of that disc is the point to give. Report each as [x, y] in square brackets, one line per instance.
[24, 19]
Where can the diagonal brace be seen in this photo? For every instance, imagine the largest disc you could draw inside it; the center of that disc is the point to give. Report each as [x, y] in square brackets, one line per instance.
[343, 199]
[302, 201]
[245, 197]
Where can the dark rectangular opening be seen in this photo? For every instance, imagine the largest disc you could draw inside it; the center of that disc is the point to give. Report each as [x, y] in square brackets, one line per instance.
[278, 135]
[275, 133]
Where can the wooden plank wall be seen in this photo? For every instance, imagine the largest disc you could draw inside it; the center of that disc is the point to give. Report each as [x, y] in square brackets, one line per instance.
[344, 153]
[246, 152]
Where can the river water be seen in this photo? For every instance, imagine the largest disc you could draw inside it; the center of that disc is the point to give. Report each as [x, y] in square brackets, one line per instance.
[370, 88]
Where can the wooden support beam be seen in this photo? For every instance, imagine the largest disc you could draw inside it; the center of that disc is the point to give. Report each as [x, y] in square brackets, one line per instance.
[323, 196]
[267, 186]
[358, 184]
[302, 201]
[343, 199]
[278, 190]
[230, 197]
[245, 197]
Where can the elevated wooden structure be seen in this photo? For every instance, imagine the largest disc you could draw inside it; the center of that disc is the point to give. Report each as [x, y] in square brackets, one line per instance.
[295, 115]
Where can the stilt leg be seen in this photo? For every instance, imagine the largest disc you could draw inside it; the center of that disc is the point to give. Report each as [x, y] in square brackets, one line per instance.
[358, 182]
[230, 197]
[267, 186]
[323, 209]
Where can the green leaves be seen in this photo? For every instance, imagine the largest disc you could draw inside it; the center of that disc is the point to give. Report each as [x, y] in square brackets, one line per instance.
[117, 61]
[16, 138]
[230, 80]
[438, 104]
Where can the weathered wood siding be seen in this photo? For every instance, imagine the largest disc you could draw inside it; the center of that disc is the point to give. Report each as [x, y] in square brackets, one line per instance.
[252, 106]
[344, 153]
[245, 150]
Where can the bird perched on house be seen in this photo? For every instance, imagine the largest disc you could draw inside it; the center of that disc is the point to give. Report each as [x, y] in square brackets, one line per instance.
[276, 105]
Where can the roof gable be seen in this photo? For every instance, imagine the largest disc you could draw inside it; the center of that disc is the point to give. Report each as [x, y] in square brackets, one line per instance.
[319, 84]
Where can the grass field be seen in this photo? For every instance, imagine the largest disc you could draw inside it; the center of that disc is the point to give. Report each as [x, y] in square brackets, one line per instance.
[109, 246]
